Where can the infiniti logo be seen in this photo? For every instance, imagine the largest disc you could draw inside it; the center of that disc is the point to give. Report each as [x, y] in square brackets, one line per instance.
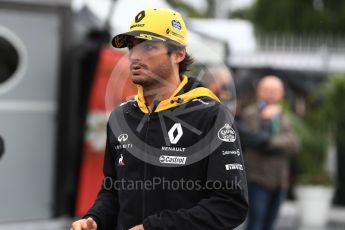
[122, 138]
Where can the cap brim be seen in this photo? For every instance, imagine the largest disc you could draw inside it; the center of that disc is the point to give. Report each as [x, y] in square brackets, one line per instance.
[120, 40]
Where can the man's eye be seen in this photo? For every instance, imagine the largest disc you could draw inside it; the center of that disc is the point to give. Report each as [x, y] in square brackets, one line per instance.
[148, 47]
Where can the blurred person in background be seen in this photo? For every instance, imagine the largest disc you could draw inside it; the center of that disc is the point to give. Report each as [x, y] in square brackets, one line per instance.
[219, 80]
[157, 55]
[268, 166]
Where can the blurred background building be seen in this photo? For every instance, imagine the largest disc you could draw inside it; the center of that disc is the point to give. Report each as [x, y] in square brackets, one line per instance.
[55, 64]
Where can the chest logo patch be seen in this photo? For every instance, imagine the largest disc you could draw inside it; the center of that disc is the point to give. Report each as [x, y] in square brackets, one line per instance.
[175, 133]
[122, 138]
[121, 162]
[227, 133]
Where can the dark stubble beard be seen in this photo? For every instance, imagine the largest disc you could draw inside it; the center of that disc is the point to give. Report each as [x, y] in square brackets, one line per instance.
[157, 78]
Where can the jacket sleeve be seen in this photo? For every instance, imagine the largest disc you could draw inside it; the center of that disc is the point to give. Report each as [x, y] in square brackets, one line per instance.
[105, 209]
[224, 208]
[251, 138]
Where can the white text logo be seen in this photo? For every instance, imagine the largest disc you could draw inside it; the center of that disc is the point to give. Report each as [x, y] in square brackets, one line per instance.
[173, 149]
[124, 146]
[172, 160]
[234, 167]
[227, 152]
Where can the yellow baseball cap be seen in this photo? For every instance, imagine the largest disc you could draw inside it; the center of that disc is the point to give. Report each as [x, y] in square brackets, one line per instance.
[155, 25]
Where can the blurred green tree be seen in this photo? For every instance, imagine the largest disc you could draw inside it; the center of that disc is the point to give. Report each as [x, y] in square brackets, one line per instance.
[322, 125]
[296, 16]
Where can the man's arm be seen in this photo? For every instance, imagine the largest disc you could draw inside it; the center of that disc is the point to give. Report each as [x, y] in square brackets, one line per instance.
[286, 141]
[223, 208]
[251, 138]
[105, 209]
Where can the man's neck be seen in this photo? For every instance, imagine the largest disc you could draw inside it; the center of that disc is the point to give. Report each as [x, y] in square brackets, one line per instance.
[160, 91]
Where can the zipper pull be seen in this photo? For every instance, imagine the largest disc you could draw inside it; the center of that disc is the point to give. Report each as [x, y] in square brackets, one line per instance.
[155, 105]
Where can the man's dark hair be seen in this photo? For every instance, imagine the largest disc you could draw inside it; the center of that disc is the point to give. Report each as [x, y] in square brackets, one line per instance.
[185, 64]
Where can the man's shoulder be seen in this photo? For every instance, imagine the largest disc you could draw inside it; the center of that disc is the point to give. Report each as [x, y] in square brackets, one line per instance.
[209, 107]
[124, 106]
[204, 100]
[204, 103]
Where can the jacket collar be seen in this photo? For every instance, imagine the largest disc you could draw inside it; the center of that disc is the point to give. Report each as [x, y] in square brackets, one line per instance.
[177, 98]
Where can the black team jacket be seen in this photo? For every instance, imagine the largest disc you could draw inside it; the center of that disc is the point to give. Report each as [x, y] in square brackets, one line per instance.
[179, 166]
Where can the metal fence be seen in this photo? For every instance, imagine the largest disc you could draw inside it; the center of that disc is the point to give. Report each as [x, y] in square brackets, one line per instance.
[302, 43]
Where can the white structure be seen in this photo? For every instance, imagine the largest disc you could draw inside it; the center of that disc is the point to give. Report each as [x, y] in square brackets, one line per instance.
[276, 52]
[222, 7]
[239, 34]
[29, 105]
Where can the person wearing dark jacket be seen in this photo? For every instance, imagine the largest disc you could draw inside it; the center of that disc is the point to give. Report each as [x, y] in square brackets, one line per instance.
[268, 166]
[173, 158]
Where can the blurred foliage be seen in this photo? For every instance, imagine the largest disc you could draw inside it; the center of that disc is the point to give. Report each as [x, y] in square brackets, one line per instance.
[328, 105]
[312, 156]
[319, 128]
[296, 16]
[186, 8]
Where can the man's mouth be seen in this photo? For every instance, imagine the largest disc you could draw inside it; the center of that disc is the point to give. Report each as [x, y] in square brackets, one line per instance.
[137, 69]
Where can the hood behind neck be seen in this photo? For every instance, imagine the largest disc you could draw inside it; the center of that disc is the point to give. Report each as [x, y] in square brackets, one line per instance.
[187, 90]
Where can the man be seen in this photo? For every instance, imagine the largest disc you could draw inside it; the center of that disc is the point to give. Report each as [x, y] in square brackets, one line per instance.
[219, 80]
[268, 166]
[174, 136]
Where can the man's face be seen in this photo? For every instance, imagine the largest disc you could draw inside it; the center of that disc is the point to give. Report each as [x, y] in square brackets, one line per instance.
[270, 90]
[221, 85]
[149, 61]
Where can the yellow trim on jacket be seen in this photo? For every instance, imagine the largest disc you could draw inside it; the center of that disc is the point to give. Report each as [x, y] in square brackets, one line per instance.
[173, 100]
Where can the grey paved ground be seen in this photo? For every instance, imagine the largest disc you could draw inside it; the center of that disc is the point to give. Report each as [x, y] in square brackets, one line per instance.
[288, 220]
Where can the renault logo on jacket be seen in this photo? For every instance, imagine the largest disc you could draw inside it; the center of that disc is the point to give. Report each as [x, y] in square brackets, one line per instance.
[174, 139]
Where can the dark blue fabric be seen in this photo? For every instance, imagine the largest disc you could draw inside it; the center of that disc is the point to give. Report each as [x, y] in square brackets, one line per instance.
[264, 206]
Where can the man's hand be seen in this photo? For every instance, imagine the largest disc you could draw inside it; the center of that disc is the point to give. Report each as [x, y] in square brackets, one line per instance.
[138, 227]
[88, 224]
[270, 111]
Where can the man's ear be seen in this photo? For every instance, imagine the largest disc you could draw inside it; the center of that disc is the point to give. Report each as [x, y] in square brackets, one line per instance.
[179, 55]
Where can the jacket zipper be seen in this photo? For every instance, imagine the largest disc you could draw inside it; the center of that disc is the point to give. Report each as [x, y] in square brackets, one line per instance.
[155, 104]
[145, 166]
